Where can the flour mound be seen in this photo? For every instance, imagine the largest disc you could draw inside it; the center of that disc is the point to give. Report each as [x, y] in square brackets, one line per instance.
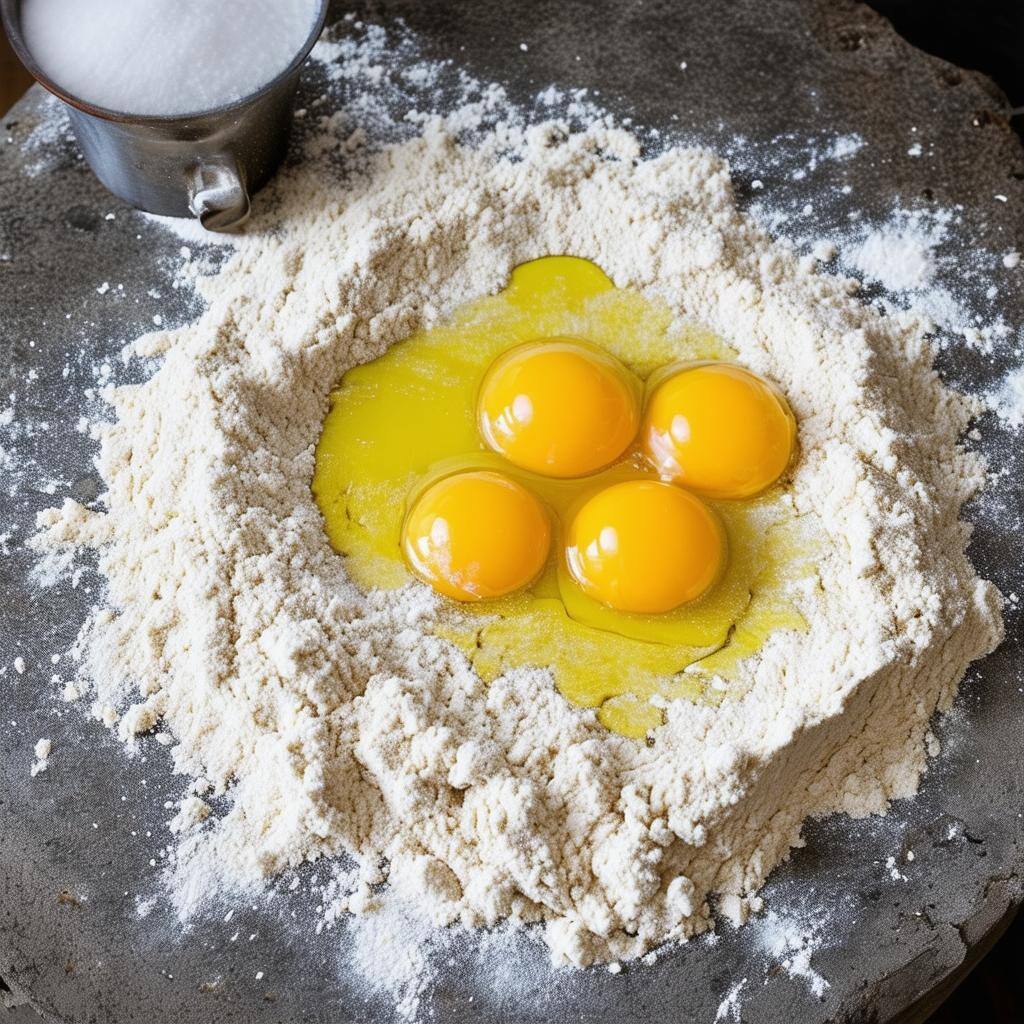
[334, 719]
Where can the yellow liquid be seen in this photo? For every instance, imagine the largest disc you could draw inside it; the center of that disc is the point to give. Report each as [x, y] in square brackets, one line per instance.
[410, 416]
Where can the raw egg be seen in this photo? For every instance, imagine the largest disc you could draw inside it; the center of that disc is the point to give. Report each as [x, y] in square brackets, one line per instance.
[559, 408]
[479, 535]
[718, 429]
[398, 427]
[645, 547]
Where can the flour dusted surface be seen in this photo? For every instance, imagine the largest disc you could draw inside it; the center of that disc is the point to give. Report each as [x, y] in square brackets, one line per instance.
[341, 724]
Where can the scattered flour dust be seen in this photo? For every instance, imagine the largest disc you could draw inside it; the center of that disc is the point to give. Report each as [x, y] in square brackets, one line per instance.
[400, 937]
[791, 943]
[336, 724]
[1008, 399]
[729, 1007]
[904, 256]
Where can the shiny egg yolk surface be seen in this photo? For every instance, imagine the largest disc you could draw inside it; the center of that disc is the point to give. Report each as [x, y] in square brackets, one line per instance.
[400, 426]
[645, 547]
[476, 535]
[559, 408]
[719, 430]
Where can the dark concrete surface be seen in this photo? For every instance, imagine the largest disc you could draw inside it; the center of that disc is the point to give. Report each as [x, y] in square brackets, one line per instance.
[982, 34]
[70, 868]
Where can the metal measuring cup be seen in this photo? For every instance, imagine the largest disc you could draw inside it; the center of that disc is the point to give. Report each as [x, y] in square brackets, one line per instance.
[204, 165]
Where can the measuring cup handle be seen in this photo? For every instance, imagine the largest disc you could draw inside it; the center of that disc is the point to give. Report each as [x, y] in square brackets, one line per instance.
[218, 196]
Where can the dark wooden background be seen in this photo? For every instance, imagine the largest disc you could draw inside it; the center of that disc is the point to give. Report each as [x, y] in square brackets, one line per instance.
[987, 35]
[14, 79]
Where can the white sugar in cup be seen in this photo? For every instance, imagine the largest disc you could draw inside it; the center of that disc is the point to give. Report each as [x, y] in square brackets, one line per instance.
[182, 107]
[164, 57]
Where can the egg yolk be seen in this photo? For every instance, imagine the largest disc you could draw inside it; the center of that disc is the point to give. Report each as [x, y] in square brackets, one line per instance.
[720, 430]
[476, 535]
[558, 408]
[644, 546]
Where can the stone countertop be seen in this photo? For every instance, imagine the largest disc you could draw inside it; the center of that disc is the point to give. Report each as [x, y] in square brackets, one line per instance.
[783, 75]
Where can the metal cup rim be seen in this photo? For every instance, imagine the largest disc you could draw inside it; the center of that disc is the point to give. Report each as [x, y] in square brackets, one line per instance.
[9, 10]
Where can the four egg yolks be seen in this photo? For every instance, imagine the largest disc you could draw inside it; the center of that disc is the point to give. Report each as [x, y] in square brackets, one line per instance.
[476, 535]
[411, 418]
[558, 408]
[719, 430]
[644, 546]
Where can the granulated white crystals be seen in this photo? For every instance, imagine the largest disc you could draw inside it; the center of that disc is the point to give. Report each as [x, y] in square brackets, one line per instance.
[334, 719]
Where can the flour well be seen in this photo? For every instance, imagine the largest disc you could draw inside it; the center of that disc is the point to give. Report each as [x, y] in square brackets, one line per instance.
[335, 722]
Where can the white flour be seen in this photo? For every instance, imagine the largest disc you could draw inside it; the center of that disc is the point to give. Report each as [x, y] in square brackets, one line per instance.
[337, 724]
[899, 259]
[1008, 399]
[904, 257]
[729, 1007]
[914, 255]
[791, 943]
[42, 750]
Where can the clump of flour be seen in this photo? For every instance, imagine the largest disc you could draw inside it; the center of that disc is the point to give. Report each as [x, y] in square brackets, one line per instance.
[334, 722]
[42, 751]
[901, 258]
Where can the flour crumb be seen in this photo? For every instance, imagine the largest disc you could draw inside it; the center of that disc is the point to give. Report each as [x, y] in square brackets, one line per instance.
[105, 713]
[846, 146]
[192, 811]
[894, 872]
[42, 751]
[824, 250]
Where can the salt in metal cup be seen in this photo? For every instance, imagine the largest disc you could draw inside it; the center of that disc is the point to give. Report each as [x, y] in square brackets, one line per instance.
[204, 165]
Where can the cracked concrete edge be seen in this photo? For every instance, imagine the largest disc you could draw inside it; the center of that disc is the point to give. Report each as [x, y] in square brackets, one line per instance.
[850, 25]
[921, 1010]
[14, 998]
[11, 997]
[938, 969]
[1007, 900]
